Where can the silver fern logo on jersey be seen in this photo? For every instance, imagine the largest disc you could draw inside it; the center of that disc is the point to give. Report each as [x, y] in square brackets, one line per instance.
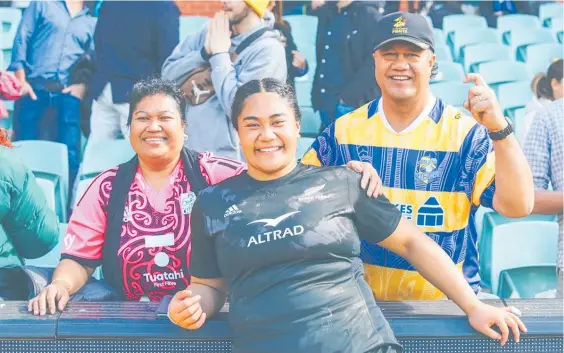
[313, 194]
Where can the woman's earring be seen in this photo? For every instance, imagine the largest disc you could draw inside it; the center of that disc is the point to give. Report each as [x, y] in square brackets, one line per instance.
[185, 137]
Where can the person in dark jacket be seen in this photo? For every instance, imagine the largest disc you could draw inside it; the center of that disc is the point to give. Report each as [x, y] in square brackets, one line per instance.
[345, 67]
[295, 61]
[29, 229]
[132, 41]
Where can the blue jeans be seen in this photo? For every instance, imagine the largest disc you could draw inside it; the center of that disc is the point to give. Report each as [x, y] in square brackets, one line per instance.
[31, 122]
[327, 117]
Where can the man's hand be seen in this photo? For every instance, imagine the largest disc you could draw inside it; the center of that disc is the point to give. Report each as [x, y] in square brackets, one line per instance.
[484, 316]
[56, 295]
[219, 34]
[315, 4]
[370, 181]
[185, 311]
[298, 60]
[483, 104]
[77, 90]
[27, 90]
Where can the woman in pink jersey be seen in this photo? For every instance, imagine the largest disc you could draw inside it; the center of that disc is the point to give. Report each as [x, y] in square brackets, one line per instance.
[134, 219]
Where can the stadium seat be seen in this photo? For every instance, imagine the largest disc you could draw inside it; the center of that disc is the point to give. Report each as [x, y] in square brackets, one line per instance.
[304, 31]
[48, 160]
[311, 122]
[454, 93]
[303, 93]
[439, 37]
[52, 258]
[498, 72]
[521, 38]
[550, 10]
[464, 37]
[485, 246]
[557, 28]
[191, 24]
[449, 71]
[540, 56]
[452, 23]
[10, 19]
[527, 282]
[104, 155]
[520, 244]
[476, 54]
[304, 143]
[519, 124]
[479, 219]
[507, 23]
[443, 53]
[514, 95]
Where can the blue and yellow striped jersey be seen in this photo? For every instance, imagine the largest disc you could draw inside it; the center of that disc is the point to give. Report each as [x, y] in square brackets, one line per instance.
[437, 172]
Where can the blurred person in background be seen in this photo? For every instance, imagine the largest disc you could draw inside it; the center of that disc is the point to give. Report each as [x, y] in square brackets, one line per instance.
[132, 41]
[29, 229]
[51, 38]
[295, 61]
[236, 46]
[345, 69]
[547, 87]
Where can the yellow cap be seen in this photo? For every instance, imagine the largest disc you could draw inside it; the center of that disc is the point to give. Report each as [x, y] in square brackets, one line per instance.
[259, 6]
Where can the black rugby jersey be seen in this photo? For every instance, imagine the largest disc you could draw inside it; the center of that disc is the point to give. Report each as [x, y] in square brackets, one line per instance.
[289, 250]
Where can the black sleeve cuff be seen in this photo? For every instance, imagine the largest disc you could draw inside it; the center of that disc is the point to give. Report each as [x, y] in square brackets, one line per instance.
[84, 262]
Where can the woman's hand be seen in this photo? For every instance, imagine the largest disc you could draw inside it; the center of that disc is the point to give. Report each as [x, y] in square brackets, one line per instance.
[484, 316]
[185, 311]
[370, 181]
[56, 295]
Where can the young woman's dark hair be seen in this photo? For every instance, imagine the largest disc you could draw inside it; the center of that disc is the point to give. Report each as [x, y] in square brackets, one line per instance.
[156, 85]
[544, 85]
[270, 85]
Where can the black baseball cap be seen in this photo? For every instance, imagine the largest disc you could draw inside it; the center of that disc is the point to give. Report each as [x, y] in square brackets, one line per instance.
[404, 26]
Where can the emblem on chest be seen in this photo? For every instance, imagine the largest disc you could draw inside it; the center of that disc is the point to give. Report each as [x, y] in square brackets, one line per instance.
[426, 169]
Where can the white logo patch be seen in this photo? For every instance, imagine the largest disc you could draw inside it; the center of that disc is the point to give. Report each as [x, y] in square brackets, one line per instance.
[274, 222]
[233, 210]
[69, 240]
[187, 201]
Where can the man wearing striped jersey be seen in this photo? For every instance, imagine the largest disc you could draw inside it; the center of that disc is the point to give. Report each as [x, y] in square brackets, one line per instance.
[436, 164]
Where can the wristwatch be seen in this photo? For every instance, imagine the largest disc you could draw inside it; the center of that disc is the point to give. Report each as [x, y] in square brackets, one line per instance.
[501, 134]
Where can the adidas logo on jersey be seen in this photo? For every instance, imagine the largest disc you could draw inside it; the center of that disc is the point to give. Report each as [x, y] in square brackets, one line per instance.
[233, 210]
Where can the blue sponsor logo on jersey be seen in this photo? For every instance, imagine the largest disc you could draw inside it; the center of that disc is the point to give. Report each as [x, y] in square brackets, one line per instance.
[426, 168]
[405, 209]
[431, 214]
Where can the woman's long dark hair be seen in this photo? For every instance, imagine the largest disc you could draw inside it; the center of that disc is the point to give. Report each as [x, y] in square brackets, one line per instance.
[270, 85]
[544, 85]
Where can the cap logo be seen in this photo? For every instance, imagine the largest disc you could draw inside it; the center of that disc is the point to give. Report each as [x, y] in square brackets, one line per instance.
[399, 26]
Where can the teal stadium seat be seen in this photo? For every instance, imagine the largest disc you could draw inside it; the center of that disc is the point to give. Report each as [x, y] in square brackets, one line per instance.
[48, 160]
[311, 122]
[527, 282]
[485, 245]
[304, 32]
[10, 19]
[468, 36]
[514, 95]
[520, 244]
[507, 23]
[453, 93]
[439, 37]
[452, 23]
[304, 143]
[52, 258]
[540, 56]
[519, 124]
[443, 53]
[303, 93]
[521, 38]
[498, 72]
[549, 11]
[557, 28]
[449, 71]
[191, 25]
[476, 54]
[479, 219]
[99, 157]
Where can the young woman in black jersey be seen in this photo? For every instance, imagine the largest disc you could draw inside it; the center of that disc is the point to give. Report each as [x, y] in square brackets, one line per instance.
[283, 241]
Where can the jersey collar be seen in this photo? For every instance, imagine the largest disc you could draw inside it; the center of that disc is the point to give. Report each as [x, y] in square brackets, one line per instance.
[424, 115]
